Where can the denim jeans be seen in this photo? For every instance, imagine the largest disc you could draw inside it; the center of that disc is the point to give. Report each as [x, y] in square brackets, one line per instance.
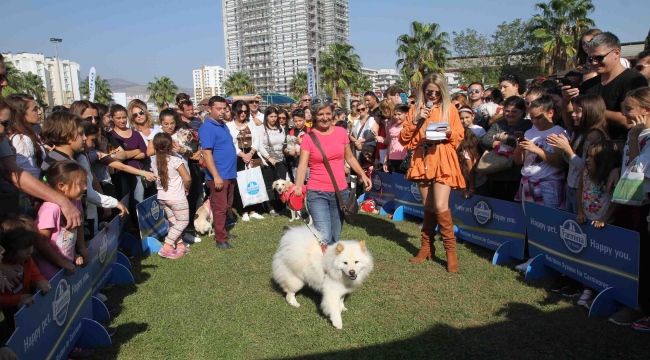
[325, 212]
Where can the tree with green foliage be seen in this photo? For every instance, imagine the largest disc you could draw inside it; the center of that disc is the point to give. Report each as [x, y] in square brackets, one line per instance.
[515, 49]
[162, 91]
[422, 52]
[338, 66]
[476, 61]
[103, 92]
[360, 83]
[239, 83]
[25, 83]
[558, 27]
[298, 86]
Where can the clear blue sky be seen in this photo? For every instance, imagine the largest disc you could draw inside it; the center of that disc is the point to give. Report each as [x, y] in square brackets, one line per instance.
[138, 40]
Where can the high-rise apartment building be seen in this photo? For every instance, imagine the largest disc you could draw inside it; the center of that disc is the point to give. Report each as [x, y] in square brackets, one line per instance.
[274, 40]
[60, 77]
[381, 79]
[208, 81]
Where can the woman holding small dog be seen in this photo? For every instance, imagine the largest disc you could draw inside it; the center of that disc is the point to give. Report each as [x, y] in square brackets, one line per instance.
[321, 196]
[247, 141]
[433, 131]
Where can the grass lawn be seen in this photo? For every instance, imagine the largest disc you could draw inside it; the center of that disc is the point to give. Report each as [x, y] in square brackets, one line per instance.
[216, 304]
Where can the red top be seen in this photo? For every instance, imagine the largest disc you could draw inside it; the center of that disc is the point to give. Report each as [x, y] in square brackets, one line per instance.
[30, 276]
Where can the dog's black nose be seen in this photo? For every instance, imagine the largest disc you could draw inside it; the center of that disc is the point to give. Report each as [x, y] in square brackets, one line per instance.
[352, 272]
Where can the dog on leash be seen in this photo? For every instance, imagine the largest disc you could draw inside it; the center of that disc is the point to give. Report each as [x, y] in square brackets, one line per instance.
[334, 273]
[203, 219]
[295, 205]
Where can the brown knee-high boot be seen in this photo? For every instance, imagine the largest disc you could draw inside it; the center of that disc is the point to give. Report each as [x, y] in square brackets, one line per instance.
[448, 239]
[427, 235]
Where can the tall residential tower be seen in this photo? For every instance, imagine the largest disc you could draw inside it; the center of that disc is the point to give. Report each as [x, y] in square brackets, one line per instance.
[273, 40]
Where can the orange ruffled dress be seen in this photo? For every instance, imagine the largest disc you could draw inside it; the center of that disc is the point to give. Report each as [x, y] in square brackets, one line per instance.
[440, 163]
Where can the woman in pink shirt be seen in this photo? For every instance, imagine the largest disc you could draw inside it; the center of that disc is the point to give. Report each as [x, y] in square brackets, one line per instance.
[321, 196]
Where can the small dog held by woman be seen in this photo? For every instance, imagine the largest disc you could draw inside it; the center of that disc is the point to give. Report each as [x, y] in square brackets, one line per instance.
[334, 273]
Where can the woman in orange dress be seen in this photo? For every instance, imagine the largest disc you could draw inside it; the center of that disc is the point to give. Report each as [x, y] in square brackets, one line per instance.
[434, 165]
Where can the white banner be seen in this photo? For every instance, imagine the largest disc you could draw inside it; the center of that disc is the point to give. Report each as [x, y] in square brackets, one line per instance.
[311, 80]
[91, 84]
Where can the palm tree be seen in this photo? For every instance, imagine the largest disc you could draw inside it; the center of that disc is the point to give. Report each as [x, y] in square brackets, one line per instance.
[162, 91]
[338, 66]
[422, 52]
[103, 92]
[299, 85]
[558, 27]
[239, 83]
[25, 83]
[360, 83]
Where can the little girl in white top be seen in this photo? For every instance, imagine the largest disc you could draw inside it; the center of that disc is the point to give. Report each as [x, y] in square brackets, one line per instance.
[173, 184]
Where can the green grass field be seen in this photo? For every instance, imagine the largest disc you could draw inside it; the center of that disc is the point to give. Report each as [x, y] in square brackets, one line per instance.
[215, 304]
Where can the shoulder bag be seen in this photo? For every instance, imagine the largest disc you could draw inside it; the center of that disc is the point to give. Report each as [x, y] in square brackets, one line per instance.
[350, 207]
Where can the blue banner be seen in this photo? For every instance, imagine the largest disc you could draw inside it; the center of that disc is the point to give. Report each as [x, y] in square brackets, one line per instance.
[50, 327]
[598, 258]
[395, 187]
[151, 219]
[489, 222]
[102, 251]
[311, 80]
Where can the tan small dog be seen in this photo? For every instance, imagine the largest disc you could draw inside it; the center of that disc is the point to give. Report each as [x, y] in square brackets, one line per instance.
[285, 189]
[203, 219]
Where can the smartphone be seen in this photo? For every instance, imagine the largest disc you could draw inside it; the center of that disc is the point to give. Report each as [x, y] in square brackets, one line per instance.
[566, 82]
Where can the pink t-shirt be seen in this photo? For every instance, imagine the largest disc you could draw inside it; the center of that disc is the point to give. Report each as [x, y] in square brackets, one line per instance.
[175, 189]
[62, 241]
[334, 146]
[396, 151]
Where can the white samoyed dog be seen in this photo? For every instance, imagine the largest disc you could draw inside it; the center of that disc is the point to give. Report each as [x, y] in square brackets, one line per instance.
[300, 261]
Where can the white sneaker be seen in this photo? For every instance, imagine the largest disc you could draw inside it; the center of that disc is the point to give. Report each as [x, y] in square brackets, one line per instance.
[524, 266]
[245, 217]
[191, 239]
[255, 215]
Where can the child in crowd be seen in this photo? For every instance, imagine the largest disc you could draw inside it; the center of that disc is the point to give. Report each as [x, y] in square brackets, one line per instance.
[593, 196]
[294, 139]
[467, 119]
[468, 156]
[59, 247]
[588, 126]
[173, 184]
[18, 237]
[542, 173]
[396, 151]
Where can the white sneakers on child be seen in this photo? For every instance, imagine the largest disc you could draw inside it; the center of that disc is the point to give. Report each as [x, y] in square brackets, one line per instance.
[245, 217]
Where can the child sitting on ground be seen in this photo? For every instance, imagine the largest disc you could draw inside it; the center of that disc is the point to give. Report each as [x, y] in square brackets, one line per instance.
[173, 184]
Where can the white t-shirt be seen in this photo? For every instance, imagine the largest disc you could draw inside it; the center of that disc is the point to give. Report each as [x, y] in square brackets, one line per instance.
[26, 154]
[175, 189]
[156, 129]
[365, 133]
[534, 167]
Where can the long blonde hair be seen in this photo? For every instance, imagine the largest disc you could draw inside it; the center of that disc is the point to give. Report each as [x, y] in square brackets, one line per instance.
[441, 83]
[137, 103]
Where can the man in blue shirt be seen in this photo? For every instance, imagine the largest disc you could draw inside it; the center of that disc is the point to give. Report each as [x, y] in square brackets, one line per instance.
[220, 158]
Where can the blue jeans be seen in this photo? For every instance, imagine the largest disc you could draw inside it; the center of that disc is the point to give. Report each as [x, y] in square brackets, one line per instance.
[325, 212]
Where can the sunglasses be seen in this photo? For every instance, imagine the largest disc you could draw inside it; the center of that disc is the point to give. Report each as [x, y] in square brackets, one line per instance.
[92, 119]
[255, 101]
[640, 67]
[433, 92]
[474, 91]
[362, 109]
[598, 58]
[242, 111]
[306, 99]
[4, 123]
[282, 118]
[140, 113]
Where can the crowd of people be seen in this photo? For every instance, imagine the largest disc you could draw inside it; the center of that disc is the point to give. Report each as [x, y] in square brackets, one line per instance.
[561, 142]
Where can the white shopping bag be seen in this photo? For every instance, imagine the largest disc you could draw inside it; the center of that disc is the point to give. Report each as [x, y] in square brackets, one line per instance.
[251, 186]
